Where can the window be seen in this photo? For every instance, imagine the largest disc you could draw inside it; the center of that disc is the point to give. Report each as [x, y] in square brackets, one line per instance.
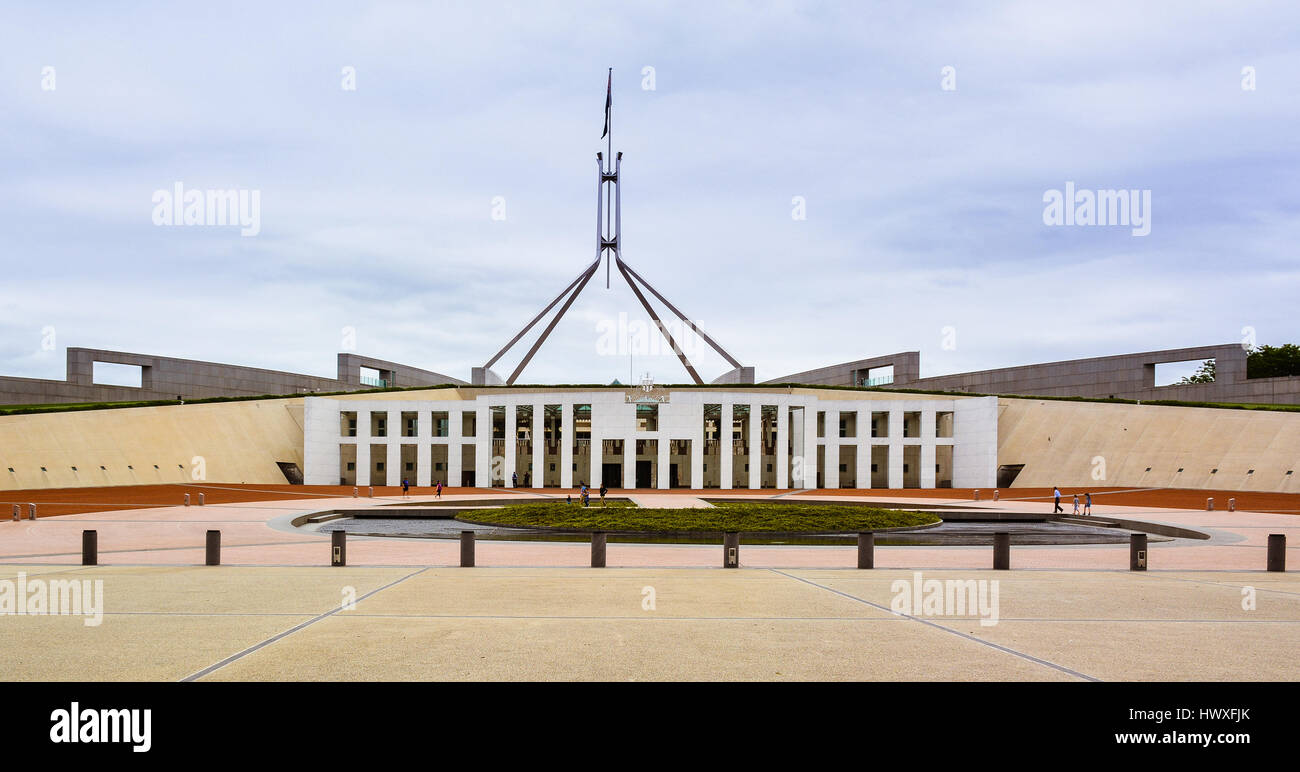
[114, 374]
[352, 466]
[379, 466]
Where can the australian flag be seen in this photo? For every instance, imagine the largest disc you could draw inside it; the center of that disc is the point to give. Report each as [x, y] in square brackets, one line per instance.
[609, 100]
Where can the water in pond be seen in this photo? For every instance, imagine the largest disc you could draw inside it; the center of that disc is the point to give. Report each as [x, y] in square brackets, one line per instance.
[947, 533]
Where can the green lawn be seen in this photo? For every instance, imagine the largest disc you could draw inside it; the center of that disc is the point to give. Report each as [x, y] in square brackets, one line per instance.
[729, 516]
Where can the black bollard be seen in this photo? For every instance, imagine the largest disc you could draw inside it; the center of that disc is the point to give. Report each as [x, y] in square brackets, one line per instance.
[1002, 551]
[731, 549]
[866, 550]
[213, 557]
[598, 549]
[1277, 552]
[466, 549]
[90, 548]
[339, 548]
[1137, 552]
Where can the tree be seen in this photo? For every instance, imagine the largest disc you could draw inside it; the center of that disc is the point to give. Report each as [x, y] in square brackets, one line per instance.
[1204, 374]
[1273, 361]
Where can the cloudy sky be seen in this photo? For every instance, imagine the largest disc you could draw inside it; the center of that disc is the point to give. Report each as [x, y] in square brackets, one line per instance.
[924, 203]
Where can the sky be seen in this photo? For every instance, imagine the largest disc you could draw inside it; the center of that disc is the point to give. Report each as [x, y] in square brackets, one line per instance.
[813, 183]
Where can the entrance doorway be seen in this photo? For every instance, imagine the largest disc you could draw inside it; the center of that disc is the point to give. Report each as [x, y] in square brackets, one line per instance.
[643, 474]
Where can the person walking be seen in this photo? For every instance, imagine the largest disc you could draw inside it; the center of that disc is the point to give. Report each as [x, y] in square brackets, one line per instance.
[514, 480]
[527, 480]
[1056, 495]
[1076, 505]
[438, 492]
[406, 488]
[603, 491]
[1087, 503]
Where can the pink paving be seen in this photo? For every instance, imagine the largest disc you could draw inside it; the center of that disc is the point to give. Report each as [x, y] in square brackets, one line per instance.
[254, 533]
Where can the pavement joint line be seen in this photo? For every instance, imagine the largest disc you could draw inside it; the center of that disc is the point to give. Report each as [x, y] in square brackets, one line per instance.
[958, 633]
[258, 646]
[1230, 586]
[159, 549]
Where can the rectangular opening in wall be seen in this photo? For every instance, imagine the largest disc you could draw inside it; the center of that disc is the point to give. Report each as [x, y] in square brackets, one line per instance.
[879, 423]
[1191, 371]
[848, 423]
[911, 466]
[440, 423]
[114, 374]
[876, 376]
[647, 418]
[943, 423]
[912, 423]
[410, 423]
[348, 423]
[1007, 474]
[373, 378]
[943, 466]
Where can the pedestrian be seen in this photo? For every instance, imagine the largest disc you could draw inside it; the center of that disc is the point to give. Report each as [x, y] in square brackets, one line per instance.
[527, 480]
[406, 487]
[514, 480]
[1076, 505]
[603, 491]
[1087, 503]
[568, 498]
[1056, 494]
[438, 493]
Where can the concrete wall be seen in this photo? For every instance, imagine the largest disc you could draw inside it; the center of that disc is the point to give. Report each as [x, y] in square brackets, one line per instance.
[1126, 376]
[1079, 443]
[168, 378]
[1058, 442]
[232, 442]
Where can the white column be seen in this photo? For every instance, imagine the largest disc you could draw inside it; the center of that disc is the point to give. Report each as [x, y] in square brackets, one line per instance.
[697, 458]
[566, 444]
[724, 446]
[663, 460]
[393, 463]
[927, 447]
[483, 446]
[596, 453]
[511, 440]
[806, 446]
[629, 460]
[782, 440]
[862, 471]
[363, 448]
[755, 446]
[895, 448]
[455, 423]
[831, 462]
[538, 473]
[423, 449]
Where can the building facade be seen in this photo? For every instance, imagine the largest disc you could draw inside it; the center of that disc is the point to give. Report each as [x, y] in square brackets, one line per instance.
[653, 437]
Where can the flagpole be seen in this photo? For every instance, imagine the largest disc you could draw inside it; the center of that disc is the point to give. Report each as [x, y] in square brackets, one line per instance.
[609, 158]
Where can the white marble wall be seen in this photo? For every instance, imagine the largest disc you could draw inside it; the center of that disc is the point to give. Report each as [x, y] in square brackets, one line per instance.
[974, 437]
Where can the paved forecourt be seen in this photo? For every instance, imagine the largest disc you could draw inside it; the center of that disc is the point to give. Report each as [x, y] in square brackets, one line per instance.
[401, 623]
